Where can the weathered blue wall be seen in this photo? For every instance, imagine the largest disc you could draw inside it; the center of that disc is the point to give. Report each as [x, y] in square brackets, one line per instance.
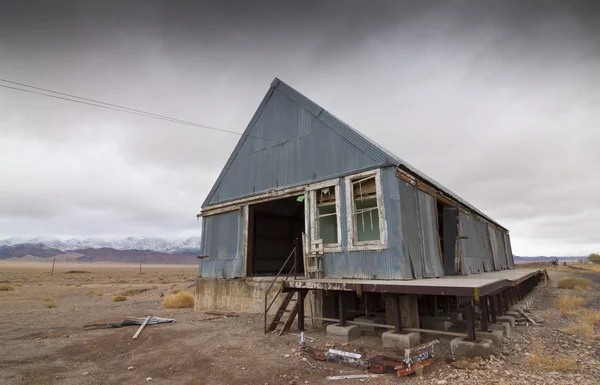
[310, 151]
[474, 246]
[223, 242]
[420, 236]
[381, 264]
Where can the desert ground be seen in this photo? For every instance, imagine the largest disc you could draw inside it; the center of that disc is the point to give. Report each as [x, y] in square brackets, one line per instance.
[43, 340]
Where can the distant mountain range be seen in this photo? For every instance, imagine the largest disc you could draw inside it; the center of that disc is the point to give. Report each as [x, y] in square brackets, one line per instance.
[178, 245]
[547, 259]
[127, 250]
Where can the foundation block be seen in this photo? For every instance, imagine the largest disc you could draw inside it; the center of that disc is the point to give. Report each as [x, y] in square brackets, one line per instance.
[391, 339]
[436, 323]
[371, 320]
[496, 336]
[460, 347]
[506, 318]
[348, 332]
[504, 327]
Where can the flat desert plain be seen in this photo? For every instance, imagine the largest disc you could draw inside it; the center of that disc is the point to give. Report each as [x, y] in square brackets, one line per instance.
[43, 339]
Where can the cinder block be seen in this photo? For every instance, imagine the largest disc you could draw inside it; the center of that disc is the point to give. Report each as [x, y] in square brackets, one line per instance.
[391, 339]
[460, 347]
[495, 336]
[502, 326]
[370, 320]
[348, 332]
[436, 323]
[507, 318]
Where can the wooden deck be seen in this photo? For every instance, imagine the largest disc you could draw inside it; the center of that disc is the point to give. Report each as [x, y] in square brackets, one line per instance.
[474, 285]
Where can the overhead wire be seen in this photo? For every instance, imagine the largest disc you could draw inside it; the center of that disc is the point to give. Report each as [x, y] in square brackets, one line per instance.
[116, 107]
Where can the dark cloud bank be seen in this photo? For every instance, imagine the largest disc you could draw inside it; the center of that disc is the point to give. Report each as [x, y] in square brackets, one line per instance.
[496, 100]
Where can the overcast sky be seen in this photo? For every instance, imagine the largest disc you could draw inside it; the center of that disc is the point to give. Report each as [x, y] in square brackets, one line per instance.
[501, 103]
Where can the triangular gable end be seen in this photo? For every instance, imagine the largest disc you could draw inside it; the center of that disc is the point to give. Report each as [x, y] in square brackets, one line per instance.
[307, 144]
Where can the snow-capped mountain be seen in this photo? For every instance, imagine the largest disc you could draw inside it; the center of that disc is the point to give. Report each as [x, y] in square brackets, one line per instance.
[175, 245]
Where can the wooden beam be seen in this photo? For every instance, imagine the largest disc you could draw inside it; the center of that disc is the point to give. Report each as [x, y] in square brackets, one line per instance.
[135, 336]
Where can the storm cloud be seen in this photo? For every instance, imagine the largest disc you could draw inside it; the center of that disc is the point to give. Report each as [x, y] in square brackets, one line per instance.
[498, 101]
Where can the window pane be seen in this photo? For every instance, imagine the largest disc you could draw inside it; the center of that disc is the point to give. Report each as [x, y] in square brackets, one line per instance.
[367, 220]
[327, 227]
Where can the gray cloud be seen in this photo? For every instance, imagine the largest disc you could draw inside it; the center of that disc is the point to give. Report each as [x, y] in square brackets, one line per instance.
[496, 100]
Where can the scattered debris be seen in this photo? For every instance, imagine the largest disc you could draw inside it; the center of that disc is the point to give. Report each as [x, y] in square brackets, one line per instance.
[148, 379]
[351, 376]
[130, 368]
[77, 272]
[137, 333]
[414, 358]
[222, 313]
[129, 322]
[528, 318]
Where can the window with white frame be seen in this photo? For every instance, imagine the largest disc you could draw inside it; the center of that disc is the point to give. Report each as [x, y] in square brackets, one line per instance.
[367, 223]
[325, 220]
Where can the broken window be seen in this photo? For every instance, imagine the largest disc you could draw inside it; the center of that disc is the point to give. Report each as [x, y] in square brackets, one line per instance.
[326, 216]
[365, 210]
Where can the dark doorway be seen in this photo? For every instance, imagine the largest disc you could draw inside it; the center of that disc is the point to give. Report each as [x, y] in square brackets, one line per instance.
[448, 233]
[273, 229]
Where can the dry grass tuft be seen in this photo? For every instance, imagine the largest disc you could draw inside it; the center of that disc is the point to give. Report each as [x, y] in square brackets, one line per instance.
[539, 358]
[581, 330]
[574, 283]
[183, 299]
[119, 298]
[590, 267]
[6, 288]
[174, 291]
[47, 298]
[173, 284]
[90, 293]
[131, 291]
[568, 304]
[550, 315]
[590, 316]
[50, 304]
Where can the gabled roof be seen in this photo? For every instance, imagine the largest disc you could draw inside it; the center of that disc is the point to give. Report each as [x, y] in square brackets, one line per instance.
[368, 146]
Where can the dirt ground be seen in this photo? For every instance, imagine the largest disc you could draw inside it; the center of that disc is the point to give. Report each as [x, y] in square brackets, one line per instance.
[40, 345]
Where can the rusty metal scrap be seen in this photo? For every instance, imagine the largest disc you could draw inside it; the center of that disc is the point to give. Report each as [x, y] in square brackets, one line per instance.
[414, 358]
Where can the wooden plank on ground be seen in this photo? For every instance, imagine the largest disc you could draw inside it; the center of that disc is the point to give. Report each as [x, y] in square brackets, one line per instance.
[135, 336]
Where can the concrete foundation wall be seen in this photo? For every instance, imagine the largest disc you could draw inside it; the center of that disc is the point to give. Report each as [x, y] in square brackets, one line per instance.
[243, 296]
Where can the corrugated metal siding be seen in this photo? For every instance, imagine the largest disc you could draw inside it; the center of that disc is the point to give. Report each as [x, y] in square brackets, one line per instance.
[432, 260]
[223, 242]
[310, 151]
[419, 230]
[509, 254]
[498, 249]
[285, 125]
[474, 246]
[410, 227]
[382, 264]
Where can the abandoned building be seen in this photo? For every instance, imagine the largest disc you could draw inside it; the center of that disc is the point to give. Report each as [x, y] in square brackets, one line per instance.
[308, 205]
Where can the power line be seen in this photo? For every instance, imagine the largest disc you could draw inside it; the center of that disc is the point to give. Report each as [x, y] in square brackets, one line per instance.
[115, 107]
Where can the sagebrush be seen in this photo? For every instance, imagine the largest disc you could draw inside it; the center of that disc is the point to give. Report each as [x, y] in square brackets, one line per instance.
[568, 304]
[574, 283]
[183, 299]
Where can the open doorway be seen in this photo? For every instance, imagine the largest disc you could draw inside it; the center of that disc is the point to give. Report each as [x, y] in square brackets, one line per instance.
[274, 227]
[447, 217]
